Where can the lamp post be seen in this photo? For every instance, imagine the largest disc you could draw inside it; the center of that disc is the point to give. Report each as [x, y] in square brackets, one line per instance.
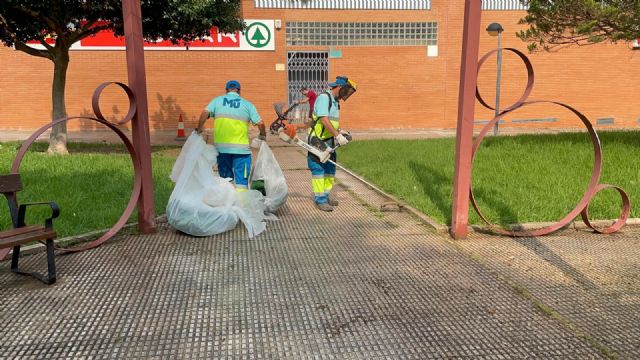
[495, 29]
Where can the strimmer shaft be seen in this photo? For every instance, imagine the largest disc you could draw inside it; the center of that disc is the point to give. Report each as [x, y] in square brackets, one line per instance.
[352, 174]
[313, 150]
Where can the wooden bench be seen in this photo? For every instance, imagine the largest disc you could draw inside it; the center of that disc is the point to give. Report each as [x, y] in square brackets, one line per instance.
[22, 234]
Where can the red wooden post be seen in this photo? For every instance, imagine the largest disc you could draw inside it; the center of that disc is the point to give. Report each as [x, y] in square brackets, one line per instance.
[132, 14]
[464, 131]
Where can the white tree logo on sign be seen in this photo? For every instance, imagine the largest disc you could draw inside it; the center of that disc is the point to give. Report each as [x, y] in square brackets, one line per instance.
[258, 35]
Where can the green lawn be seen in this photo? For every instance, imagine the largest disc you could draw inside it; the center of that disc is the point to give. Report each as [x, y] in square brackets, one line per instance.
[92, 185]
[516, 179]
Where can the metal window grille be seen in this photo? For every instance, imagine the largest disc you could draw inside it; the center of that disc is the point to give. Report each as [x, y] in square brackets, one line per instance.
[361, 34]
[346, 4]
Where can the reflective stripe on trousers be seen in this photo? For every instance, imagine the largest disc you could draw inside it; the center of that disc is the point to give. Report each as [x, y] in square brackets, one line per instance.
[236, 167]
[322, 178]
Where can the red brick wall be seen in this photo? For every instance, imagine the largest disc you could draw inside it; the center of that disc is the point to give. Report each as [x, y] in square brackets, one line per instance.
[399, 87]
[599, 80]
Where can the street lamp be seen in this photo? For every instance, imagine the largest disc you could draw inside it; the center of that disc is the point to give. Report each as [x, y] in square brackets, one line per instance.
[495, 29]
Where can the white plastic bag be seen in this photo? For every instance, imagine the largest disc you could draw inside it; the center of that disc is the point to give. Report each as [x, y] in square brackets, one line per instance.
[204, 204]
[275, 185]
[250, 208]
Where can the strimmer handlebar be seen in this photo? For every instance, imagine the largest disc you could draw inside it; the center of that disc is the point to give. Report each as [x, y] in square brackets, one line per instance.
[322, 155]
[287, 134]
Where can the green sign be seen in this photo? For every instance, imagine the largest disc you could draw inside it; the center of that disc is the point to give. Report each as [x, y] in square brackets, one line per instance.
[258, 35]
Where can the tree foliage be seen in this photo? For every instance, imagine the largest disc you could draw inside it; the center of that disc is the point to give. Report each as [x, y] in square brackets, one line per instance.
[68, 21]
[553, 23]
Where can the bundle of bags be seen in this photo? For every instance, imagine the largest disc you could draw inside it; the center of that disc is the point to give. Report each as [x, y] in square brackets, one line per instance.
[204, 204]
[269, 179]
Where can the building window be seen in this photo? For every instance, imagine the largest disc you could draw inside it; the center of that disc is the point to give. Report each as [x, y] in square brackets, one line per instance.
[361, 34]
[503, 5]
[345, 4]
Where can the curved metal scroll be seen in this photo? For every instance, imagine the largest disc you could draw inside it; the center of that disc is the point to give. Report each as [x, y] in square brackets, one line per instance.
[137, 182]
[593, 186]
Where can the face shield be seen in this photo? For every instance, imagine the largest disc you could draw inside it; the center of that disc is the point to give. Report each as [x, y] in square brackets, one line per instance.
[347, 90]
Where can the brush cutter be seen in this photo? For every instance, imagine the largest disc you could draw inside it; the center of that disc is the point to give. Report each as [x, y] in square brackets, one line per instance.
[287, 133]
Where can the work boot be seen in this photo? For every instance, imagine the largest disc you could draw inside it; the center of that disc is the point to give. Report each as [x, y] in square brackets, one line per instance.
[332, 200]
[324, 207]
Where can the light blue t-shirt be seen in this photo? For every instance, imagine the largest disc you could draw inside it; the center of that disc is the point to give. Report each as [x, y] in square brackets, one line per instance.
[233, 106]
[321, 108]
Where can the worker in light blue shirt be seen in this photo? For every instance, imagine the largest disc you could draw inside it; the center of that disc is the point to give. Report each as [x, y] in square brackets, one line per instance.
[232, 115]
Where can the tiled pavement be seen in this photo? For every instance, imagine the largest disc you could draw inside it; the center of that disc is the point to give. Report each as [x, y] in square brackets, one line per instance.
[354, 284]
[591, 281]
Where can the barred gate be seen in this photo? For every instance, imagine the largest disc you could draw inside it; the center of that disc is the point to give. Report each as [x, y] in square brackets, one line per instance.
[306, 68]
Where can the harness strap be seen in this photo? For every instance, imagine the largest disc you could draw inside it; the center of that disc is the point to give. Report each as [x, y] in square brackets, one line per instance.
[315, 122]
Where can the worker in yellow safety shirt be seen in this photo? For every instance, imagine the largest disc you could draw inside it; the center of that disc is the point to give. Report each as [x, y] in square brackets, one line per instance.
[232, 115]
[325, 132]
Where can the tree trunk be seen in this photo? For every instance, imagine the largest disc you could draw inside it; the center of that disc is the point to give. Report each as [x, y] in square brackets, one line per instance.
[58, 137]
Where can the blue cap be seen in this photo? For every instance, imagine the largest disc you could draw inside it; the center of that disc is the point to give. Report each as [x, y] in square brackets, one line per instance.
[232, 84]
[340, 81]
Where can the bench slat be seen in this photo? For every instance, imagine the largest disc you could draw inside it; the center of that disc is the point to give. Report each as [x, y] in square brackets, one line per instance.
[18, 231]
[10, 183]
[41, 234]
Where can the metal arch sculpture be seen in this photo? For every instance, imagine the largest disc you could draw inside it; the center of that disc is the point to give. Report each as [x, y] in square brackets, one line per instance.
[594, 186]
[137, 182]
[132, 16]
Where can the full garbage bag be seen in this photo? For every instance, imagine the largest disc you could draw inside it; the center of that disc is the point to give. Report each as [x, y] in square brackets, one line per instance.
[204, 204]
[268, 170]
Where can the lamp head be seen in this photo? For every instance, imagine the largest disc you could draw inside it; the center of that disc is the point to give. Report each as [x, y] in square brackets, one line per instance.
[494, 29]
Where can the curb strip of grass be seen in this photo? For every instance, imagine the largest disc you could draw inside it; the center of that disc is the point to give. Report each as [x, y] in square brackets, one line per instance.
[576, 225]
[436, 226]
[442, 228]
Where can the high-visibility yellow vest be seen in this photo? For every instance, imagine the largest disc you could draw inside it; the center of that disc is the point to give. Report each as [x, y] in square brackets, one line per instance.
[231, 131]
[318, 129]
[232, 116]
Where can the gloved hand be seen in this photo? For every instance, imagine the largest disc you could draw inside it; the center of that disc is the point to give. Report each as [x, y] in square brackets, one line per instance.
[342, 140]
[256, 143]
[346, 134]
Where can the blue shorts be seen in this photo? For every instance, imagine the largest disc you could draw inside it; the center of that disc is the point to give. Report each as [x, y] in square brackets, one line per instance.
[235, 166]
[320, 169]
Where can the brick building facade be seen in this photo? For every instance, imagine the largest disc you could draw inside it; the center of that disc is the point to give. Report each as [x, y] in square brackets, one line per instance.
[407, 69]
